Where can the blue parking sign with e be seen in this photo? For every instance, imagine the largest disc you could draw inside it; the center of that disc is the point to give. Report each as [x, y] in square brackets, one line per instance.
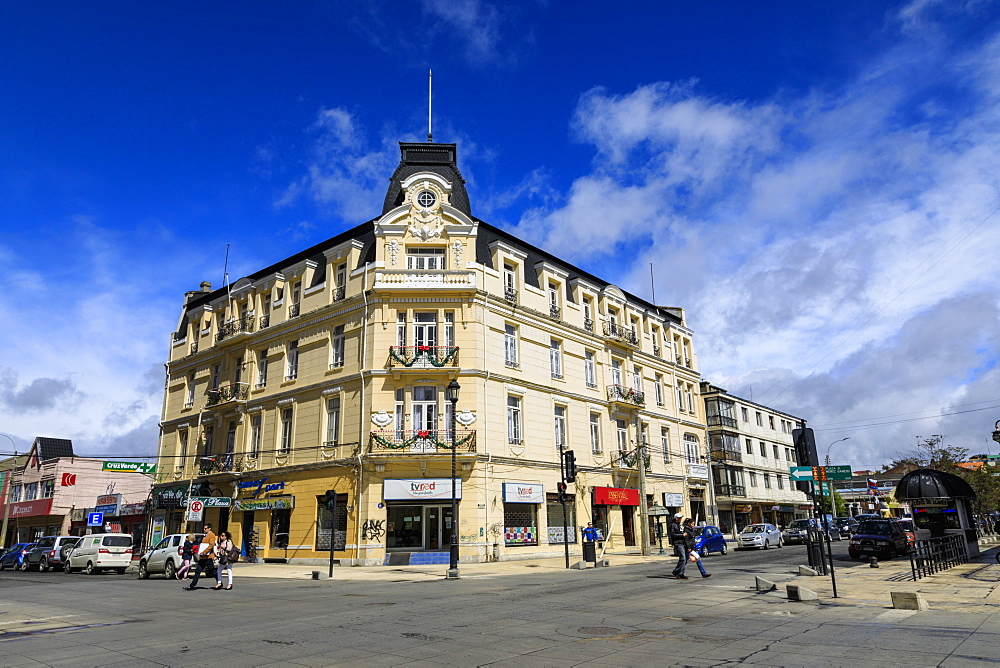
[95, 519]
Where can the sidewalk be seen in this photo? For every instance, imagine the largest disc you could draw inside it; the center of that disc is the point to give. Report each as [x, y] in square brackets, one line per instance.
[969, 587]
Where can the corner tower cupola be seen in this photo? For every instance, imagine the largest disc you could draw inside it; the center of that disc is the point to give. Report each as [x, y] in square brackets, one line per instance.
[435, 158]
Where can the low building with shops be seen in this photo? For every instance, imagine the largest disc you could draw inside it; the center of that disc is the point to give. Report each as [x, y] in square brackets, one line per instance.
[53, 486]
[752, 451]
[327, 371]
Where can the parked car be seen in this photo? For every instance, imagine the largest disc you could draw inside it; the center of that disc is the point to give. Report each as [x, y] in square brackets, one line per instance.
[798, 530]
[165, 557]
[99, 551]
[47, 553]
[882, 538]
[710, 539]
[846, 525]
[759, 535]
[67, 548]
[911, 533]
[14, 557]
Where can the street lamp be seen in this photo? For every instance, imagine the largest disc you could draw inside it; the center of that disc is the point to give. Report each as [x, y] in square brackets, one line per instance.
[830, 446]
[451, 394]
[6, 501]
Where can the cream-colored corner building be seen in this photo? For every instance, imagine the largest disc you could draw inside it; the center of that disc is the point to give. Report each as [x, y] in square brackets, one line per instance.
[752, 451]
[327, 371]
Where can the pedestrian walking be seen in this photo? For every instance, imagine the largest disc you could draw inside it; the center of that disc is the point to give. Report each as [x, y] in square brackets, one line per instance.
[206, 557]
[677, 539]
[187, 552]
[590, 534]
[228, 555]
[691, 545]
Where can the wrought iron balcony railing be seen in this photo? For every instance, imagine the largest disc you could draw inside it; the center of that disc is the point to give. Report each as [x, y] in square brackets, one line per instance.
[423, 357]
[226, 393]
[628, 460]
[293, 310]
[730, 490]
[233, 327]
[656, 350]
[510, 294]
[426, 441]
[265, 321]
[555, 311]
[338, 293]
[619, 333]
[628, 395]
[220, 463]
[727, 455]
[194, 347]
[588, 324]
[721, 421]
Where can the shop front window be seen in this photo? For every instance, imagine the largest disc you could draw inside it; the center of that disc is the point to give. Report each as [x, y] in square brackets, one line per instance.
[520, 524]
[554, 517]
[281, 520]
[404, 527]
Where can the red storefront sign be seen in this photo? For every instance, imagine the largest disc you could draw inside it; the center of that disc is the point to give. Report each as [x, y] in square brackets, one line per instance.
[615, 496]
[30, 508]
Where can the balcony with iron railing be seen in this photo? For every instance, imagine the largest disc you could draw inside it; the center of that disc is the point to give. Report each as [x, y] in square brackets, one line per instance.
[628, 395]
[555, 311]
[222, 463]
[293, 310]
[423, 357]
[722, 421]
[727, 455]
[656, 350]
[618, 333]
[421, 442]
[241, 325]
[265, 320]
[406, 279]
[339, 293]
[730, 490]
[510, 294]
[588, 324]
[226, 393]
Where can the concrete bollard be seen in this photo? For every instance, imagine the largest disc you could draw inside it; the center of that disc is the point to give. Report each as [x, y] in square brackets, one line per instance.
[315, 575]
[603, 563]
[807, 570]
[580, 565]
[764, 585]
[797, 593]
[908, 600]
[873, 562]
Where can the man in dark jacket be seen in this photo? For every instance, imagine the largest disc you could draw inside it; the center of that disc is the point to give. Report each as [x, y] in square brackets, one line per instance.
[680, 547]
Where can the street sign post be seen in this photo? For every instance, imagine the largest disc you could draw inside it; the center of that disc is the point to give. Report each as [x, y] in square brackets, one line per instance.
[838, 472]
[799, 473]
[196, 510]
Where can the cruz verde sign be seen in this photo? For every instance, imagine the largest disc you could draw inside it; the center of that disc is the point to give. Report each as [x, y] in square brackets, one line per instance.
[129, 467]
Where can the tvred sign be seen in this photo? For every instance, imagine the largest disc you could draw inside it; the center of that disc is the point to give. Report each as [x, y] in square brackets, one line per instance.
[615, 496]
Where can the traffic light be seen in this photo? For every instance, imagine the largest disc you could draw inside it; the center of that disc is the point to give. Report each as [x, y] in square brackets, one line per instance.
[330, 499]
[561, 487]
[569, 464]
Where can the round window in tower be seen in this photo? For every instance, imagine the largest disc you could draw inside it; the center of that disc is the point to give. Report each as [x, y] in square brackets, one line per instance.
[426, 199]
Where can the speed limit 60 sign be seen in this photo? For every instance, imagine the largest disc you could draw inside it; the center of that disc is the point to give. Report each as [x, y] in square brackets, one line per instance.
[196, 511]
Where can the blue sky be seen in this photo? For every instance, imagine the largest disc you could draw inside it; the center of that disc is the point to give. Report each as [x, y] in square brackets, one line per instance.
[816, 183]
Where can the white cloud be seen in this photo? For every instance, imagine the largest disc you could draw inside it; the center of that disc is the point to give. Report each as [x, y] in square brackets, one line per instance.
[834, 251]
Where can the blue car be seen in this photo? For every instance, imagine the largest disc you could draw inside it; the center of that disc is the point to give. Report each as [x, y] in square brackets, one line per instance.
[710, 539]
[14, 557]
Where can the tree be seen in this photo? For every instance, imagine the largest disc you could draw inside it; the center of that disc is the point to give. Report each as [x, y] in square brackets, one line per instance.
[931, 452]
[840, 506]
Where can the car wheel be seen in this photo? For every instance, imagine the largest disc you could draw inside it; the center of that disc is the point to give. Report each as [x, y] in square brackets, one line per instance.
[703, 551]
[169, 570]
[2, 565]
[43, 565]
[25, 566]
[767, 545]
[121, 571]
[90, 570]
[781, 543]
[725, 548]
[67, 568]
[143, 571]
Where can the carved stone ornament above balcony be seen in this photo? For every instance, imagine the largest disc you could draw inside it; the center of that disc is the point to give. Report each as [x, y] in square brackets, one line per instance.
[425, 233]
[382, 419]
[465, 417]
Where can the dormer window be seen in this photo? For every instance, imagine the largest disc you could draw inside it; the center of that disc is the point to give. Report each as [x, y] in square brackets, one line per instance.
[425, 258]
[426, 199]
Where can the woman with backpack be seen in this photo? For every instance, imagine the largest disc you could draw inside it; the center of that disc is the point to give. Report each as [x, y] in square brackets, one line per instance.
[229, 554]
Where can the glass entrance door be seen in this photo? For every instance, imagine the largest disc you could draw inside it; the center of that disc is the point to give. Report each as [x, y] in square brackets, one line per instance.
[437, 528]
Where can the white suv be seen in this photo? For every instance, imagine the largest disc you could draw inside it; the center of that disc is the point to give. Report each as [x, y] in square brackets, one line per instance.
[166, 556]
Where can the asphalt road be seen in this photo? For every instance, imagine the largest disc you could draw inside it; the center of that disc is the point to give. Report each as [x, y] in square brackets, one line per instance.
[610, 616]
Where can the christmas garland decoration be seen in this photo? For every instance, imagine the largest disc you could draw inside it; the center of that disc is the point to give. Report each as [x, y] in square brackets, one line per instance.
[422, 435]
[427, 352]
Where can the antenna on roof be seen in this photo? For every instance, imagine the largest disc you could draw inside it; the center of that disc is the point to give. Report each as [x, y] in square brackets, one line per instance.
[430, 77]
[225, 280]
[652, 284]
